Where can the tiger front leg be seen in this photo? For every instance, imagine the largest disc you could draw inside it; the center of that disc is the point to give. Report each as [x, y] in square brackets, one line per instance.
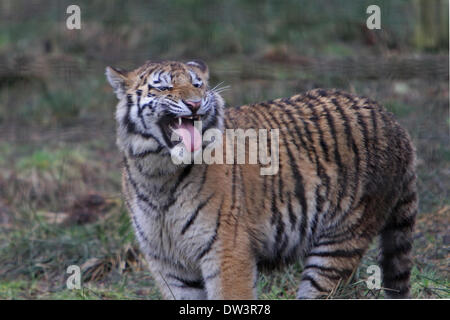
[229, 269]
[175, 283]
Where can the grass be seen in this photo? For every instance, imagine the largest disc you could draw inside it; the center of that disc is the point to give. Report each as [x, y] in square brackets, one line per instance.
[35, 261]
[427, 283]
[398, 108]
[41, 252]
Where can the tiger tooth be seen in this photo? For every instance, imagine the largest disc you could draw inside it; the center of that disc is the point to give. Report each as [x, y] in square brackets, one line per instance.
[179, 121]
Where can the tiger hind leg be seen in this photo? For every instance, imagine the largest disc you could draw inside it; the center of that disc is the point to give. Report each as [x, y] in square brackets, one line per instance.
[326, 268]
[396, 244]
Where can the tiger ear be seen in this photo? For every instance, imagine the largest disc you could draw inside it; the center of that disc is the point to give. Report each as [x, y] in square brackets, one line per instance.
[119, 80]
[200, 65]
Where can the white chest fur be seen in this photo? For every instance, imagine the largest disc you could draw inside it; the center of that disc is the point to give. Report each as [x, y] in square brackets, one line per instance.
[170, 221]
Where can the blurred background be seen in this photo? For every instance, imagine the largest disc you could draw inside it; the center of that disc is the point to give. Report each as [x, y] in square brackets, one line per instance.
[60, 200]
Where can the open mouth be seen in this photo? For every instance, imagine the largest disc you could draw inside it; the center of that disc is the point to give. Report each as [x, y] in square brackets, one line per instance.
[182, 130]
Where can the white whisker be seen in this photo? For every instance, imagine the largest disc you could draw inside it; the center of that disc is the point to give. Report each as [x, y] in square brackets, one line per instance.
[212, 89]
[218, 88]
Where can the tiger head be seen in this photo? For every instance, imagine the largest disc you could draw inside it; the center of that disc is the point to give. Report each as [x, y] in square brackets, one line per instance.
[157, 99]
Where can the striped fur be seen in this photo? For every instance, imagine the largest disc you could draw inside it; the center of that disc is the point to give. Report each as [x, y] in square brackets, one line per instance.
[346, 175]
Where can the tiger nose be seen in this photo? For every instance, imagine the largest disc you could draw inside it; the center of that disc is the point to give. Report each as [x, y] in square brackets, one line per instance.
[194, 105]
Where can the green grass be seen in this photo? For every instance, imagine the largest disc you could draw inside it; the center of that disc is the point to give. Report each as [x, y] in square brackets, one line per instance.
[127, 289]
[428, 283]
[46, 160]
[41, 251]
[35, 261]
[398, 108]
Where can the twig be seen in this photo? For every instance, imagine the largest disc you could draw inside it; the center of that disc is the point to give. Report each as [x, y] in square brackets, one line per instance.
[174, 298]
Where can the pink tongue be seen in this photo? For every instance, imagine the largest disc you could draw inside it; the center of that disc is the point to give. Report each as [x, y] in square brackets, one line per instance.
[190, 136]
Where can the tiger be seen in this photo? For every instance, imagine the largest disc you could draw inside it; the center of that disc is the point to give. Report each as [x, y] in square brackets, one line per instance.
[346, 175]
